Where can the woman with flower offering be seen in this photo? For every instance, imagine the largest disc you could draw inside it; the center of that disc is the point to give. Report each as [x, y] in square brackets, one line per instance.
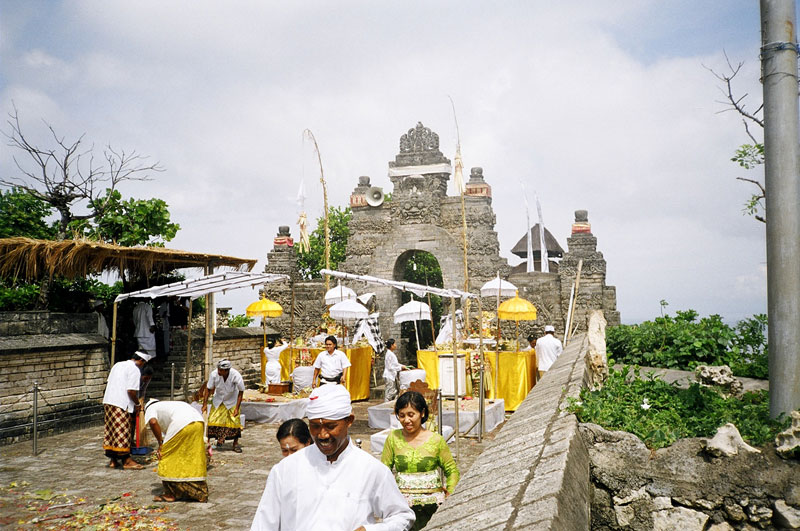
[419, 458]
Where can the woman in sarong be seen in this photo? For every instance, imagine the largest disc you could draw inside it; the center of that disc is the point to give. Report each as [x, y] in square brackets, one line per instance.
[178, 428]
[272, 368]
[419, 458]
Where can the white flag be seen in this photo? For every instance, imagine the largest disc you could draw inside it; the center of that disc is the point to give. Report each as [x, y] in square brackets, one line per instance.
[545, 267]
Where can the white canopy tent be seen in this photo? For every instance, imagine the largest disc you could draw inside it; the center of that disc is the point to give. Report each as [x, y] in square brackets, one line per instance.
[194, 288]
[420, 290]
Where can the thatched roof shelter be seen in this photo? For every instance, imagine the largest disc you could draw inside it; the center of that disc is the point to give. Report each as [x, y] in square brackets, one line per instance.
[554, 250]
[35, 259]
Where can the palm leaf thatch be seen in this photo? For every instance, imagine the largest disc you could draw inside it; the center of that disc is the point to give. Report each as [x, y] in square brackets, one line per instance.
[30, 259]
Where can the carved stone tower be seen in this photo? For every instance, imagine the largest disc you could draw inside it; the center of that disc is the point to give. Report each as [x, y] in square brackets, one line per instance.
[421, 217]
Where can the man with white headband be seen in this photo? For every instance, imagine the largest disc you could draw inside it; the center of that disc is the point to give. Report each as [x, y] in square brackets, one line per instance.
[548, 348]
[331, 484]
[120, 406]
[227, 387]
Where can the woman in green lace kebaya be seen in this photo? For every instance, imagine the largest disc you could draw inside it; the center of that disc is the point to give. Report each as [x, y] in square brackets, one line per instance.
[419, 458]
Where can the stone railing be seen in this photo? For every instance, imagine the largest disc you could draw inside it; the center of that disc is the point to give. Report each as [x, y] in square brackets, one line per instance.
[535, 475]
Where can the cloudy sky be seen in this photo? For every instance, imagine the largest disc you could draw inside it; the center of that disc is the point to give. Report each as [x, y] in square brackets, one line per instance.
[607, 106]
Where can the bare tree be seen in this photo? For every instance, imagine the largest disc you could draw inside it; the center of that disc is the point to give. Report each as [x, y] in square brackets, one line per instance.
[748, 155]
[67, 174]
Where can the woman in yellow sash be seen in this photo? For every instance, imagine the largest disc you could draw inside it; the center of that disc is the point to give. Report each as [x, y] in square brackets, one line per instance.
[178, 428]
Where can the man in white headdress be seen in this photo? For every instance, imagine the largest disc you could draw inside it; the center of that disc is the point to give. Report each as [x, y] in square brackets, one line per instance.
[548, 348]
[331, 484]
[227, 387]
[120, 406]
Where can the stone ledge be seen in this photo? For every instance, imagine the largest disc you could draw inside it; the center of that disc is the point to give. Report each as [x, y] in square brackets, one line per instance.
[552, 491]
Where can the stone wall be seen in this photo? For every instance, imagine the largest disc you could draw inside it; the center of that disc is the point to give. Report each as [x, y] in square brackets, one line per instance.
[535, 474]
[71, 370]
[35, 323]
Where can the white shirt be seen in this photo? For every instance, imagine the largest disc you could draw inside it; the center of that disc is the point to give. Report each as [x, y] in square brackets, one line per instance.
[143, 320]
[123, 377]
[273, 366]
[548, 347]
[306, 492]
[391, 366]
[226, 391]
[172, 417]
[331, 365]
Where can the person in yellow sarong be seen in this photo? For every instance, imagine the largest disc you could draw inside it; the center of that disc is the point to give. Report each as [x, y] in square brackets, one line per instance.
[178, 428]
[227, 388]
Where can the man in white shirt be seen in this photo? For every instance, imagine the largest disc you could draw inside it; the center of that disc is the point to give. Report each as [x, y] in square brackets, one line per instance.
[548, 348]
[332, 365]
[120, 405]
[178, 428]
[227, 387]
[145, 327]
[332, 484]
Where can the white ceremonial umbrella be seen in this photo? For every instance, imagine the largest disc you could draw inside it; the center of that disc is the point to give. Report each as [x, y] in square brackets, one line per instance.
[413, 311]
[348, 310]
[490, 289]
[497, 287]
[340, 293]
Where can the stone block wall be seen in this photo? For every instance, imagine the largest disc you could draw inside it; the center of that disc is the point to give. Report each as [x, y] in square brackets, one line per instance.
[535, 475]
[35, 323]
[71, 370]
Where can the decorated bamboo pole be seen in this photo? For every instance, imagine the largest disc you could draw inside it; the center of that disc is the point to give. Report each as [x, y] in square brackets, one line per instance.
[113, 333]
[459, 182]
[568, 331]
[310, 135]
[430, 312]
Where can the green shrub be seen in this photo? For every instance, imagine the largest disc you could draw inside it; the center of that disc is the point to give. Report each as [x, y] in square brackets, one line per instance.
[238, 321]
[659, 413]
[65, 295]
[683, 342]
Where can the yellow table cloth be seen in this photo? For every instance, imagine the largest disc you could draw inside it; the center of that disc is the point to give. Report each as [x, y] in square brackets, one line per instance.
[357, 377]
[516, 378]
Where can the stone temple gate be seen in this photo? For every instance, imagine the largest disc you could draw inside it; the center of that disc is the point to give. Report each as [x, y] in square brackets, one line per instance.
[421, 217]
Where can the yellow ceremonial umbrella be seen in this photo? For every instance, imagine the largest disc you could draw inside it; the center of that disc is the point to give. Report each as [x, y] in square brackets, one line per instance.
[517, 309]
[264, 308]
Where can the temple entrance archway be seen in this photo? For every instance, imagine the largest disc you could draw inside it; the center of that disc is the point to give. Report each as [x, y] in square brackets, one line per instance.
[419, 267]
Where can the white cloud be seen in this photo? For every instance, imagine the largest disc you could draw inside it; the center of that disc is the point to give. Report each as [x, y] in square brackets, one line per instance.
[571, 98]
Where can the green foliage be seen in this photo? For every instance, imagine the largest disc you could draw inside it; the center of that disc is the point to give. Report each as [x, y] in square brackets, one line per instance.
[238, 321]
[311, 262]
[659, 413]
[682, 342]
[22, 214]
[65, 295]
[423, 268]
[748, 156]
[16, 296]
[128, 223]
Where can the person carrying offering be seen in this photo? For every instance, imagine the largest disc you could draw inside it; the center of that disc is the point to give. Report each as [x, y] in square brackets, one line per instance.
[419, 457]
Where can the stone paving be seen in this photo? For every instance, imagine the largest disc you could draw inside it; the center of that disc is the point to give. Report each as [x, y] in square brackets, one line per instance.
[73, 463]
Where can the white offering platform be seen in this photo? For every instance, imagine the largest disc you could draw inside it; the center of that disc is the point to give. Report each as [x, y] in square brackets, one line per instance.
[377, 440]
[381, 416]
[278, 411]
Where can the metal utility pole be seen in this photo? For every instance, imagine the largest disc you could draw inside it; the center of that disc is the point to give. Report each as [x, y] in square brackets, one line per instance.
[782, 167]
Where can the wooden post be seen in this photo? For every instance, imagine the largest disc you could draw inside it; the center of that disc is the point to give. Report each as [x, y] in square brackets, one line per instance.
[188, 354]
[113, 334]
[455, 369]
